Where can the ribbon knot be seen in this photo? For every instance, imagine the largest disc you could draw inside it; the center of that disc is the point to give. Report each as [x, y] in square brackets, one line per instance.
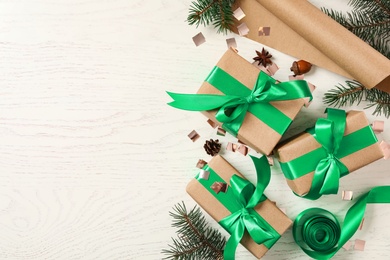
[246, 218]
[239, 100]
[329, 133]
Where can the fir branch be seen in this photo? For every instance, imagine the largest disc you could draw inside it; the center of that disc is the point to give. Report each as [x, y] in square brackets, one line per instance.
[345, 95]
[355, 92]
[215, 12]
[195, 239]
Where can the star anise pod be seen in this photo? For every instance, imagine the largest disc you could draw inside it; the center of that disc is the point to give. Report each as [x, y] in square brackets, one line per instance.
[263, 57]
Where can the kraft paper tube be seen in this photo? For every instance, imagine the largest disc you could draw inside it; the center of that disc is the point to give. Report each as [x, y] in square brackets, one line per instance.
[301, 30]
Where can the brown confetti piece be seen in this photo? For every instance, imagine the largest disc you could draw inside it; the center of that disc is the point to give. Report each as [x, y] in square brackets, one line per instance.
[238, 14]
[264, 31]
[193, 135]
[361, 224]
[221, 131]
[243, 29]
[359, 245]
[312, 88]
[243, 149]
[201, 163]
[272, 68]
[346, 195]
[212, 123]
[199, 39]
[217, 187]
[270, 160]
[385, 149]
[261, 67]
[378, 126]
[231, 147]
[296, 77]
[283, 210]
[231, 43]
[240, 142]
[347, 245]
[204, 174]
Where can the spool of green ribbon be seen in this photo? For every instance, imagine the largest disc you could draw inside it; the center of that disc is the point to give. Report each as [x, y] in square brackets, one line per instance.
[318, 232]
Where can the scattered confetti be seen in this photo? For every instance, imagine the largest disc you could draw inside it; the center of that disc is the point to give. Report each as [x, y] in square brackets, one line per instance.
[243, 149]
[385, 149]
[270, 160]
[193, 135]
[221, 131]
[272, 68]
[204, 174]
[212, 123]
[231, 147]
[201, 163]
[199, 39]
[378, 126]
[243, 29]
[283, 210]
[264, 31]
[347, 245]
[312, 88]
[218, 187]
[359, 244]
[231, 43]
[346, 195]
[361, 224]
[238, 14]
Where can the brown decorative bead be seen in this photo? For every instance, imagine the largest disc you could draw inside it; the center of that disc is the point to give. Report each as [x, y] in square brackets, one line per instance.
[300, 67]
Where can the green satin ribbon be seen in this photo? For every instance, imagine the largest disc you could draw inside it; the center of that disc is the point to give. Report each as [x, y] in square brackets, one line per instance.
[240, 199]
[318, 232]
[325, 161]
[238, 99]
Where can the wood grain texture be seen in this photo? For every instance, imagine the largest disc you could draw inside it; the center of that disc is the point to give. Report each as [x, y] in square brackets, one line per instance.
[92, 158]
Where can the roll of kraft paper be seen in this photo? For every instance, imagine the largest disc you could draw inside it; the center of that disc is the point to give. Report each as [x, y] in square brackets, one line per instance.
[300, 29]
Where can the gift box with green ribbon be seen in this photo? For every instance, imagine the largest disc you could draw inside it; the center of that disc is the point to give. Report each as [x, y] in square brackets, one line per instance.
[246, 102]
[314, 161]
[240, 208]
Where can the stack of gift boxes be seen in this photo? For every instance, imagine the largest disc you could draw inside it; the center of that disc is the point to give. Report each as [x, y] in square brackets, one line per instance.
[258, 109]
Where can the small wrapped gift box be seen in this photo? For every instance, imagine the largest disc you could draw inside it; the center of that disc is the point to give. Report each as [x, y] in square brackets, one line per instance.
[246, 102]
[214, 190]
[332, 149]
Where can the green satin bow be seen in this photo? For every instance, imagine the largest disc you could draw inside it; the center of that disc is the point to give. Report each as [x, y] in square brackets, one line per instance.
[246, 218]
[238, 99]
[328, 132]
[318, 232]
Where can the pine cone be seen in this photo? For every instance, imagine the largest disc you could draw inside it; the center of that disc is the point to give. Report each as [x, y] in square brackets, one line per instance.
[212, 147]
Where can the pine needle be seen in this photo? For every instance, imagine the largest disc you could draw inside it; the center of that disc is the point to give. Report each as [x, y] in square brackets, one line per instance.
[195, 239]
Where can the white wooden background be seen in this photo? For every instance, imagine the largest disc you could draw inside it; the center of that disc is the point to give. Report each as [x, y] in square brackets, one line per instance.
[92, 159]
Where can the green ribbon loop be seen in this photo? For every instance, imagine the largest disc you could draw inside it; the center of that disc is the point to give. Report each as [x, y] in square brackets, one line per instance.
[318, 232]
[238, 100]
[246, 218]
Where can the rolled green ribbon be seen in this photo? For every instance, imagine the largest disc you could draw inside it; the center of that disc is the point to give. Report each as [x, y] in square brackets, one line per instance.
[325, 161]
[318, 232]
[240, 199]
[238, 99]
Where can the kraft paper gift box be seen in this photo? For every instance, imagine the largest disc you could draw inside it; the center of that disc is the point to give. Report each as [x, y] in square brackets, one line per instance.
[263, 126]
[359, 147]
[201, 190]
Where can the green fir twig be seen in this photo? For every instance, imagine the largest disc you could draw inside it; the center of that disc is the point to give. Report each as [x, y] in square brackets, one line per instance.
[216, 12]
[370, 21]
[196, 240]
[355, 92]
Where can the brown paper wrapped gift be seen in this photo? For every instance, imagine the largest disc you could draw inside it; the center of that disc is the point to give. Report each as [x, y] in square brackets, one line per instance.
[267, 209]
[300, 29]
[305, 143]
[253, 131]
